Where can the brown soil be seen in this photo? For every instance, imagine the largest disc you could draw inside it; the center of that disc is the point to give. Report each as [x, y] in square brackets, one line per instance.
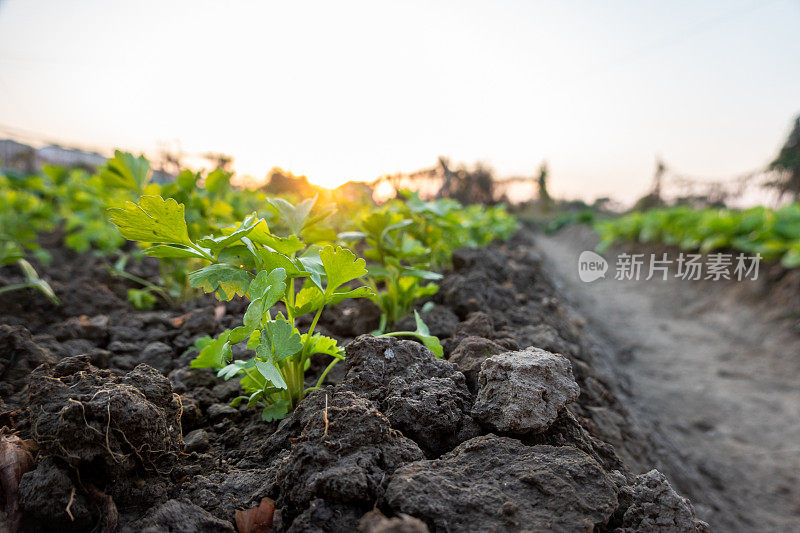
[130, 438]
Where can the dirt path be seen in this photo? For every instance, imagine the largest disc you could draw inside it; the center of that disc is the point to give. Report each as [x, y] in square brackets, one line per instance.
[715, 383]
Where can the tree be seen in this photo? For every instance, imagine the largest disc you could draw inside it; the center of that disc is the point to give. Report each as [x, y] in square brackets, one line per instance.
[474, 186]
[787, 165]
[220, 160]
[545, 200]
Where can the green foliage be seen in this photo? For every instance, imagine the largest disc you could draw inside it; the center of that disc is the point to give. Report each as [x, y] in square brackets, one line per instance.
[584, 216]
[408, 239]
[32, 279]
[422, 332]
[286, 258]
[267, 268]
[126, 171]
[153, 219]
[775, 234]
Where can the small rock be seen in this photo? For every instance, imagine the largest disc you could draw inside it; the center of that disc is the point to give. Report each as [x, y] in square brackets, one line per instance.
[470, 354]
[124, 347]
[226, 390]
[323, 516]
[158, 355]
[547, 338]
[83, 327]
[221, 411]
[477, 324]
[196, 441]
[181, 516]
[376, 522]
[222, 493]
[19, 354]
[651, 504]
[353, 317]
[523, 391]
[122, 362]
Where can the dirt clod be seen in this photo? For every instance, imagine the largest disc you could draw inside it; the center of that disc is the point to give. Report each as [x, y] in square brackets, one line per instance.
[522, 392]
[495, 483]
[345, 459]
[180, 516]
[376, 522]
[84, 416]
[651, 504]
[424, 397]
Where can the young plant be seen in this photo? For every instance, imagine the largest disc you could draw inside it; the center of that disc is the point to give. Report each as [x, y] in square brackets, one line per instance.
[399, 269]
[283, 276]
[8, 256]
[422, 332]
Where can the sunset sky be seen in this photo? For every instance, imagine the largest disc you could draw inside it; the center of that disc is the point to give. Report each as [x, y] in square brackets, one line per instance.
[352, 90]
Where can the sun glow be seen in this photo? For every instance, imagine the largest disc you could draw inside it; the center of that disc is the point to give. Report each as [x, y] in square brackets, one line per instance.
[355, 90]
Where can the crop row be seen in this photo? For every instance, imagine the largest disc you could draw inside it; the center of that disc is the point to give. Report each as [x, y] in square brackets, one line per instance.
[773, 233]
[288, 257]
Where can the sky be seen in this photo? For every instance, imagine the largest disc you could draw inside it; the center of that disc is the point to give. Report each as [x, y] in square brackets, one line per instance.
[354, 90]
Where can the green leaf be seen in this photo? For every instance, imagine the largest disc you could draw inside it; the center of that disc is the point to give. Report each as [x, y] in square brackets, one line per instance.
[308, 299]
[35, 282]
[152, 220]
[217, 180]
[339, 295]
[341, 266]
[352, 235]
[265, 291]
[215, 354]
[253, 382]
[231, 370]
[226, 280]
[279, 338]
[270, 372]
[237, 255]
[312, 263]
[316, 234]
[422, 328]
[255, 338]
[269, 286]
[295, 217]
[285, 245]
[141, 299]
[275, 411]
[423, 334]
[242, 230]
[322, 344]
[378, 271]
[187, 180]
[125, 170]
[238, 400]
[271, 259]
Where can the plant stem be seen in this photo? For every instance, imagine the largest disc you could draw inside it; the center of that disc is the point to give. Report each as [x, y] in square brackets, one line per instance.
[17, 286]
[202, 252]
[322, 377]
[152, 286]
